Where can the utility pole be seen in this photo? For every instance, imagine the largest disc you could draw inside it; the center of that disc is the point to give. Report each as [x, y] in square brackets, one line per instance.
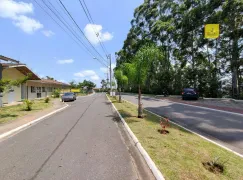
[109, 57]
[1, 70]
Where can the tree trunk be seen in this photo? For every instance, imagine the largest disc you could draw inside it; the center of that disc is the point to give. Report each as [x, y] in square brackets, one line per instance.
[235, 56]
[119, 95]
[140, 106]
[193, 62]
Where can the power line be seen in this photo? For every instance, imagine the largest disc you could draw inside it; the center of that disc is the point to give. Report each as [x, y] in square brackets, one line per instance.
[88, 15]
[55, 21]
[86, 49]
[92, 21]
[80, 29]
[63, 22]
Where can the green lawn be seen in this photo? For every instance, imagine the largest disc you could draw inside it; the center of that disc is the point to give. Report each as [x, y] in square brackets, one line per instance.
[13, 112]
[179, 154]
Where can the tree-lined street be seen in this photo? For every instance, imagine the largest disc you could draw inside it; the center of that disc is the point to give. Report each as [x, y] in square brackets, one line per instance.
[81, 142]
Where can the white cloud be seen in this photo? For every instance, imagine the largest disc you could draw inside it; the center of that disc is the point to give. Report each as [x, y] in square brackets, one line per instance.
[113, 65]
[16, 11]
[62, 80]
[11, 9]
[95, 77]
[104, 69]
[66, 61]
[91, 29]
[28, 25]
[89, 74]
[48, 33]
[79, 74]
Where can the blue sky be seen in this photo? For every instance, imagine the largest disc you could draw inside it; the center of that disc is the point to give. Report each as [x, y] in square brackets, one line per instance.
[31, 36]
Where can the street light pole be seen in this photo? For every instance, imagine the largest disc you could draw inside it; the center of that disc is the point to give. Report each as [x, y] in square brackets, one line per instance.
[1, 70]
[109, 57]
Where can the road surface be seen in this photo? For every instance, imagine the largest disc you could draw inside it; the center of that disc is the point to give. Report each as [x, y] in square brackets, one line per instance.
[223, 127]
[82, 142]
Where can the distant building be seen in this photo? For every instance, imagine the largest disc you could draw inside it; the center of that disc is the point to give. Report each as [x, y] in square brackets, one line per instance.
[34, 88]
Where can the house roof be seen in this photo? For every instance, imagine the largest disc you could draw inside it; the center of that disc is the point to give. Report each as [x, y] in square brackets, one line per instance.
[48, 81]
[54, 82]
[8, 59]
[26, 71]
[23, 69]
[6, 65]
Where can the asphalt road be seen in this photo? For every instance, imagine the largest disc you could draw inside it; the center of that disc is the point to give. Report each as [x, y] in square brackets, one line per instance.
[223, 127]
[82, 142]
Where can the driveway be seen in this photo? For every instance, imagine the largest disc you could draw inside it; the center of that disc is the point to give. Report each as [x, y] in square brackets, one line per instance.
[223, 127]
[81, 142]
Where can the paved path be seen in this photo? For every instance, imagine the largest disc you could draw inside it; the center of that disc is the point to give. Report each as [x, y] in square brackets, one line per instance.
[222, 127]
[81, 142]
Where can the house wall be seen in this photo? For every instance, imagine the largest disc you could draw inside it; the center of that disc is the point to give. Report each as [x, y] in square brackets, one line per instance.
[12, 74]
[33, 95]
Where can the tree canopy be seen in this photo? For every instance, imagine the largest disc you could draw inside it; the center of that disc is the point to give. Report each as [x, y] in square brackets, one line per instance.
[176, 27]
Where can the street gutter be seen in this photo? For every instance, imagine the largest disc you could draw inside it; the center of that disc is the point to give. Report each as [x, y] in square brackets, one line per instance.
[157, 174]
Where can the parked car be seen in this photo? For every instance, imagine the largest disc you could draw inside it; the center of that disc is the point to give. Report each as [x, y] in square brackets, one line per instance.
[189, 93]
[70, 96]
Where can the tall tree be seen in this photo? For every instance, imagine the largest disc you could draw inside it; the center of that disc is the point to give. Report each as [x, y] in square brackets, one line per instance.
[122, 80]
[103, 84]
[144, 57]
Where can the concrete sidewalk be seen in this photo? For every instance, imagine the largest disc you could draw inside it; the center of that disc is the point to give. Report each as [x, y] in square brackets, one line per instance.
[30, 117]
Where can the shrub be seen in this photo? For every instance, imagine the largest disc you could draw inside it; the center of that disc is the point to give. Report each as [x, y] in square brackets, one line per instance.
[47, 99]
[56, 93]
[28, 105]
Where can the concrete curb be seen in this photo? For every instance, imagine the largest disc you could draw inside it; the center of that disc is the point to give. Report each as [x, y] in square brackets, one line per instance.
[220, 145]
[157, 174]
[31, 123]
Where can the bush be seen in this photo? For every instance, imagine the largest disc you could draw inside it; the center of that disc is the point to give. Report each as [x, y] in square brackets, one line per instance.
[28, 105]
[56, 93]
[47, 99]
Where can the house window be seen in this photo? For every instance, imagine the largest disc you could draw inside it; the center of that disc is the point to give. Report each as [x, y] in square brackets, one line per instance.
[38, 89]
[43, 89]
[33, 90]
[49, 89]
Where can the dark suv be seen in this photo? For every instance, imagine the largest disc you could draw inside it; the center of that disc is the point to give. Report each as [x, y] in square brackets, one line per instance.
[190, 93]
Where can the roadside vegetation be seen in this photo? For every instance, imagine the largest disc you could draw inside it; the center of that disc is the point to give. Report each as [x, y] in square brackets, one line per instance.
[11, 113]
[187, 59]
[178, 153]
[56, 93]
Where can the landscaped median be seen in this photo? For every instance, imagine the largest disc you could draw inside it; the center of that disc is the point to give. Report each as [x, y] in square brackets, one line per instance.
[10, 113]
[180, 154]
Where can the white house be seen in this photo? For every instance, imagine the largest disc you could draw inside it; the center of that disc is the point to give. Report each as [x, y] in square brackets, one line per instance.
[35, 87]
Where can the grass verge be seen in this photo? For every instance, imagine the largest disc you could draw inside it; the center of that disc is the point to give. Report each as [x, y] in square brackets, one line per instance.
[11, 113]
[180, 154]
